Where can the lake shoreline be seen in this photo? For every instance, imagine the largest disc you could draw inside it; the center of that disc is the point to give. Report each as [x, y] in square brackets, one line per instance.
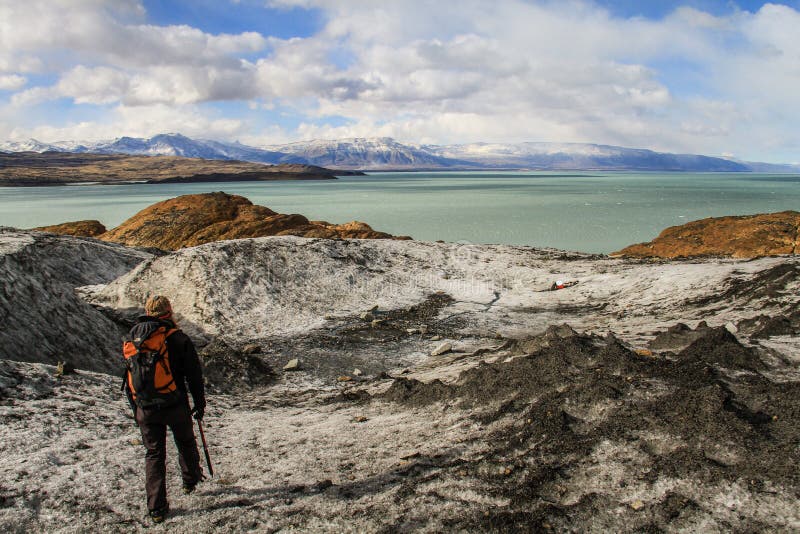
[592, 212]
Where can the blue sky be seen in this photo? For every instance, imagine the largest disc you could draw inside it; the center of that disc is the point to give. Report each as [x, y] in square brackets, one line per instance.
[226, 17]
[703, 76]
[657, 8]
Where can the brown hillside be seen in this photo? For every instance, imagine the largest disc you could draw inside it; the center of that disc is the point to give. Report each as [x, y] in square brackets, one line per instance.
[191, 220]
[746, 236]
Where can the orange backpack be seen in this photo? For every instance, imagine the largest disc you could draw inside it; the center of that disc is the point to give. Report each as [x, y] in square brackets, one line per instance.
[148, 375]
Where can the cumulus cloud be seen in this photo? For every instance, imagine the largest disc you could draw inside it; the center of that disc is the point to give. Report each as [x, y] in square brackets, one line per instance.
[12, 82]
[510, 70]
[566, 71]
[62, 31]
[104, 53]
[138, 121]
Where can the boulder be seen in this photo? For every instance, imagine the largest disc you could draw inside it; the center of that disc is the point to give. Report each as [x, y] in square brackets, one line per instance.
[442, 349]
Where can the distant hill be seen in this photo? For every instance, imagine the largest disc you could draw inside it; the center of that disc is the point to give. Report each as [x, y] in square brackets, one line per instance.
[59, 168]
[384, 153]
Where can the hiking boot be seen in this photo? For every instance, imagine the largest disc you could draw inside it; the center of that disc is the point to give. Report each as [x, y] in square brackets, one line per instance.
[189, 488]
[158, 516]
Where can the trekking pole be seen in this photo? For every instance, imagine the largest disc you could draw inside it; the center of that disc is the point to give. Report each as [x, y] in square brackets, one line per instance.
[205, 447]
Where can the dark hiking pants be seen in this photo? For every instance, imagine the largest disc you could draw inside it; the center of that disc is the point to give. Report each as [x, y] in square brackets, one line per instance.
[153, 424]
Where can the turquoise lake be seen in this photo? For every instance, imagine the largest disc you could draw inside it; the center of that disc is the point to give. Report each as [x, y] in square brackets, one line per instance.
[591, 212]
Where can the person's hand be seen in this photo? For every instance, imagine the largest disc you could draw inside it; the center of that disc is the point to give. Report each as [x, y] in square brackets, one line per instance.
[198, 412]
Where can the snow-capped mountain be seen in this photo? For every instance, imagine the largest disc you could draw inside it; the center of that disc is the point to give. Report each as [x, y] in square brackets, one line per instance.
[368, 153]
[31, 145]
[180, 145]
[582, 156]
[384, 153]
[159, 145]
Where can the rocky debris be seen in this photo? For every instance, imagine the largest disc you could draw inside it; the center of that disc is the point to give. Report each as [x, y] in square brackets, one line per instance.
[746, 236]
[717, 346]
[89, 228]
[608, 427]
[531, 344]
[769, 285]
[227, 370]
[349, 343]
[191, 220]
[43, 318]
[292, 365]
[442, 349]
[22, 381]
[765, 326]
[677, 337]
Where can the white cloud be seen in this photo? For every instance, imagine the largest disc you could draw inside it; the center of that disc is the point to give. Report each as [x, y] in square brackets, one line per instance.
[63, 32]
[12, 82]
[104, 54]
[565, 71]
[417, 70]
[139, 121]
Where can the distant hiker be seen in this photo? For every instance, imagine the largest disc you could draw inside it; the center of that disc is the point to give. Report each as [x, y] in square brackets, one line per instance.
[560, 284]
[160, 361]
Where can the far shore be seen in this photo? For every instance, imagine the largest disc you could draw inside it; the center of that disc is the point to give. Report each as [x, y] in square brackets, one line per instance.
[56, 169]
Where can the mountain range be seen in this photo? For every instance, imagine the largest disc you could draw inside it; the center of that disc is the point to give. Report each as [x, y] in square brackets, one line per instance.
[384, 153]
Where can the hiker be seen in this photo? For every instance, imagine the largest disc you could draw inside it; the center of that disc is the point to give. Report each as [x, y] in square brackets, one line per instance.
[156, 387]
[559, 284]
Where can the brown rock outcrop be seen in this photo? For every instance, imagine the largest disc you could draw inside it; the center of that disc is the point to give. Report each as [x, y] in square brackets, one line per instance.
[192, 220]
[78, 228]
[746, 236]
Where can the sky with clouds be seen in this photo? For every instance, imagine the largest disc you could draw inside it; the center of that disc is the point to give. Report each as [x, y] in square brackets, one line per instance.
[719, 77]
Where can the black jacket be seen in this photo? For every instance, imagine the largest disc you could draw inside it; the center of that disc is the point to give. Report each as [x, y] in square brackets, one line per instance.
[184, 364]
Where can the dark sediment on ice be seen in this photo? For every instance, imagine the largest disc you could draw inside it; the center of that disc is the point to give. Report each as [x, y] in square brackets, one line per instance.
[765, 326]
[717, 346]
[768, 284]
[581, 404]
[228, 370]
[349, 343]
